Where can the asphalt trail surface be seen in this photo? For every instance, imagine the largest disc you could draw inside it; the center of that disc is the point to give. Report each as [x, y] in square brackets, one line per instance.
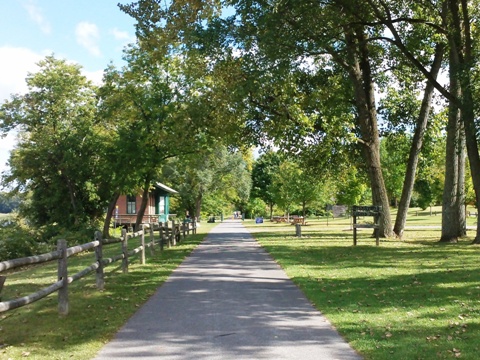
[228, 300]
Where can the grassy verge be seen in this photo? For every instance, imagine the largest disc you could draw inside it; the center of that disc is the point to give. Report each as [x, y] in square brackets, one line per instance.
[37, 331]
[411, 299]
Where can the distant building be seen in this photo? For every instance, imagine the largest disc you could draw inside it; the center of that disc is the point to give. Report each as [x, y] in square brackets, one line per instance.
[157, 210]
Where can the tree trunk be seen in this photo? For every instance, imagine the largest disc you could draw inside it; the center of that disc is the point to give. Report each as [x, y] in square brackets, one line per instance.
[361, 76]
[73, 197]
[143, 205]
[451, 226]
[464, 64]
[108, 218]
[462, 220]
[417, 143]
[473, 154]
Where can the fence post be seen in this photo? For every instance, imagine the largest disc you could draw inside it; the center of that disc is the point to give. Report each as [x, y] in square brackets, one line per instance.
[194, 226]
[161, 236]
[63, 277]
[142, 259]
[2, 282]
[173, 233]
[99, 257]
[152, 241]
[184, 225]
[125, 251]
[167, 235]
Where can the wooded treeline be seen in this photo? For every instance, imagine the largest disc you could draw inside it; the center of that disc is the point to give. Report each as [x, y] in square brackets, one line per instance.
[371, 92]
[311, 77]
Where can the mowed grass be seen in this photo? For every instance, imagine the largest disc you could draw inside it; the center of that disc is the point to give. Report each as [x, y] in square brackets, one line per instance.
[36, 331]
[410, 299]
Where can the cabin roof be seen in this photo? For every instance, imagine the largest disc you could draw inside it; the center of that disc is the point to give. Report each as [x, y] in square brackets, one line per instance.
[165, 188]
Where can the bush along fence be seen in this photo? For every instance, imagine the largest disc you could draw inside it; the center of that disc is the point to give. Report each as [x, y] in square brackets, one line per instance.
[169, 235]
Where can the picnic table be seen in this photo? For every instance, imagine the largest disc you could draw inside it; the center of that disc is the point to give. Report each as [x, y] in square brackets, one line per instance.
[297, 220]
[279, 219]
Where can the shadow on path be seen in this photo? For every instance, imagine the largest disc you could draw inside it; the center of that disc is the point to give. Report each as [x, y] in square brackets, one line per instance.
[228, 300]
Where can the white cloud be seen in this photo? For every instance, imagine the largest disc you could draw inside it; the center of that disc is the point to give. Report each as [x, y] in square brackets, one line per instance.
[96, 77]
[7, 143]
[88, 36]
[122, 35]
[36, 15]
[15, 64]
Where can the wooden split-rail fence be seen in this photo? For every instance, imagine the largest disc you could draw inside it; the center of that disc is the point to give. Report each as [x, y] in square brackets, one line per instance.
[169, 235]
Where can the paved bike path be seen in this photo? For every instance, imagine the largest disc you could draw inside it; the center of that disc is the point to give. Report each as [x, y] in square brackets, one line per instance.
[228, 300]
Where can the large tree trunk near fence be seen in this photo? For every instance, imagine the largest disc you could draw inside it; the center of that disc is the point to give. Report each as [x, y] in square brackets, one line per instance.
[108, 218]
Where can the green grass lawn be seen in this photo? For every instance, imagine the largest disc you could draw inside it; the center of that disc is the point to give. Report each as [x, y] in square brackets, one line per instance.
[416, 217]
[36, 331]
[410, 299]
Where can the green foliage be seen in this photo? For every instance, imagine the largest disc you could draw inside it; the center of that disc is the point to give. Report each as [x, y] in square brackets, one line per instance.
[286, 185]
[55, 162]
[17, 242]
[394, 150]
[293, 187]
[352, 188]
[429, 183]
[8, 203]
[256, 207]
[264, 169]
[210, 181]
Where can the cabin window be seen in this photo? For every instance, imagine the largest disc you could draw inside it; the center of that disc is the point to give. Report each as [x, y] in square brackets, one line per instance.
[131, 204]
[162, 205]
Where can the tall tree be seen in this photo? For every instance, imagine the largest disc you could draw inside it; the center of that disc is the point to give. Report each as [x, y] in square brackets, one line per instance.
[271, 38]
[417, 141]
[264, 169]
[207, 175]
[56, 159]
[148, 105]
[452, 21]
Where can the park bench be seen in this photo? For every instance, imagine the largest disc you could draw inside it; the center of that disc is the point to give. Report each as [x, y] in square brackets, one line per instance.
[362, 211]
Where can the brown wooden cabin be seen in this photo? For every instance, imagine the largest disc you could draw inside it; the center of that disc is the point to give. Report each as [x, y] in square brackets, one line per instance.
[158, 207]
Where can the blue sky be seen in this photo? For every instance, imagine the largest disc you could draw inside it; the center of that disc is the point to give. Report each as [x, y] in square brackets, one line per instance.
[91, 33]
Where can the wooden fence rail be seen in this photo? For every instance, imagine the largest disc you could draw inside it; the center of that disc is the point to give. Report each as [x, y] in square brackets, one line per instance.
[167, 235]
